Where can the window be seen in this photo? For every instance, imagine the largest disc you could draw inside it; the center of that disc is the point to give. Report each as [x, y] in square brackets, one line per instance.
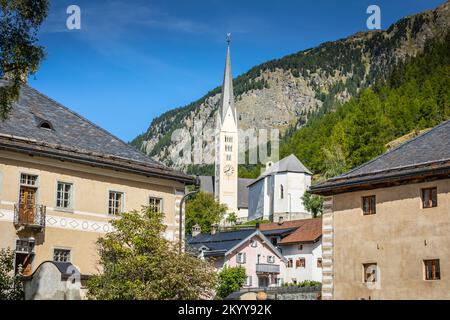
[248, 281]
[281, 191]
[46, 125]
[155, 204]
[228, 157]
[300, 247]
[319, 262]
[115, 203]
[290, 263]
[274, 241]
[28, 180]
[241, 257]
[254, 243]
[370, 272]
[61, 255]
[432, 269]
[228, 148]
[270, 259]
[64, 195]
[300, 263]
[228, 139]
[279, 282]
[369, 206]
[429, 198]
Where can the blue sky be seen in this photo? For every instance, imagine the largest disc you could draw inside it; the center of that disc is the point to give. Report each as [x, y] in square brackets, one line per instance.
[132, 60]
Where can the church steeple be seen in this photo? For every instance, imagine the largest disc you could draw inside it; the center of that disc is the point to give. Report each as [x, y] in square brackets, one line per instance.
[226, 172]
[227, 87]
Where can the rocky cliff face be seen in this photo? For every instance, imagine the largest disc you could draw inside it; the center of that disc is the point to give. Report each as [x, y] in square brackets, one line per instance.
[286, 92]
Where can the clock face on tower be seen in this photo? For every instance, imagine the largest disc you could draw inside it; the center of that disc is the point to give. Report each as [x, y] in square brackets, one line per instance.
[228, 170]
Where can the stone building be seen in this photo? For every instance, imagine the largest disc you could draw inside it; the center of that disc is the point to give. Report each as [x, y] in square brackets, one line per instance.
[63, 179]
[386, 224]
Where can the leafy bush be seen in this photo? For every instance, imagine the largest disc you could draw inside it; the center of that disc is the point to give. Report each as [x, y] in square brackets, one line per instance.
[11, 287]
[231, 279]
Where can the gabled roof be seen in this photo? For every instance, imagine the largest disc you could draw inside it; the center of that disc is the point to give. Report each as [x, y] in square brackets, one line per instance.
[306, 230]
[71, 137]
[207, 185]
[426, 155]
[224, 243]
[288, 164]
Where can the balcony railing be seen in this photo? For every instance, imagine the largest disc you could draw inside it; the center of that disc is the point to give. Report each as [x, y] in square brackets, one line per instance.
[267, 268]
[31, 216]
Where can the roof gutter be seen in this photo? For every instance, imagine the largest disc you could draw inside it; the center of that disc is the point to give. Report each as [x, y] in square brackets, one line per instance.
[373, 182]
[99, 163]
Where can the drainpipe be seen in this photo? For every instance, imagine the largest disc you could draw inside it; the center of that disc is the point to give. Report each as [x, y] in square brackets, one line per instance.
[187, 195]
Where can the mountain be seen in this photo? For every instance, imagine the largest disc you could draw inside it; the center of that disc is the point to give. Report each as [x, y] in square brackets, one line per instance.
[414, 97]
[290, 92]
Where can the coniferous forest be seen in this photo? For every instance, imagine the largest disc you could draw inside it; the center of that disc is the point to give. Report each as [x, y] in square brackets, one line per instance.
[415, 96]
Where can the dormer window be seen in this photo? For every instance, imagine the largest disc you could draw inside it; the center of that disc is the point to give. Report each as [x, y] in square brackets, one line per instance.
[45, 125]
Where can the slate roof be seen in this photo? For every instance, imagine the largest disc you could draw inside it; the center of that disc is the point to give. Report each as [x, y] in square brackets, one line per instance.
[220, 242]
[295, 231]
[207, 185]
[287, 164]
[427, 154]
[71, 137]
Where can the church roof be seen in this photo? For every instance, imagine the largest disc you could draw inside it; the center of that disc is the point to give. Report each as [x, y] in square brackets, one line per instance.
[288, 164]
[40, 126]
[227, 100]
[207, 185]
[425, 156]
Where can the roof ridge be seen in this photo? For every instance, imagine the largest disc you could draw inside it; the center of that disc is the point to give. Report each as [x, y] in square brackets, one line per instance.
[89, 122]
[402, 145]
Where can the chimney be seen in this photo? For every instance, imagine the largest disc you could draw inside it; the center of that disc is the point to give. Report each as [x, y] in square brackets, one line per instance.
[196, 230]
[214, 228]
[280, 220]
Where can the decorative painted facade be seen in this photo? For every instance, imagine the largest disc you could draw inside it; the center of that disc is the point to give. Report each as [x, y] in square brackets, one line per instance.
[63, 182]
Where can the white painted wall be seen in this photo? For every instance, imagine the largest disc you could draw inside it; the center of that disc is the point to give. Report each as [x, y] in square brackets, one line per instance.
[265, 196]
[311, 252]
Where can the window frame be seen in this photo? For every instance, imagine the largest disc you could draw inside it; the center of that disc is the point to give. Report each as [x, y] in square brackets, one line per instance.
[271, 259]
[365, 274]
[70, 199]
[319, 263]
[62, 249]
[122, 202]
[369, 213]
[300, 262]
[161, 201]
[241, 260]
[436, 271]
[434, 202]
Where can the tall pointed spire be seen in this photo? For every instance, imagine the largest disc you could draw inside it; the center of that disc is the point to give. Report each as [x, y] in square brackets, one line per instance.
[227, 87]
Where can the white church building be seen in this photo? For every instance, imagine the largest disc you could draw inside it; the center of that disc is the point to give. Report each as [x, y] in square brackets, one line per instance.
[276, 195]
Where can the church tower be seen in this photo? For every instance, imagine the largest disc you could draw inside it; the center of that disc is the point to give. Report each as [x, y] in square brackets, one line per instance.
[226, 153]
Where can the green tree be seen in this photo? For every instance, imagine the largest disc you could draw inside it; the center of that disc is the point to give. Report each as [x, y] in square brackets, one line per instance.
[231, 279]
[19, 54]
[11, 287]
[203, 210]
[139, 263]
[313, 203]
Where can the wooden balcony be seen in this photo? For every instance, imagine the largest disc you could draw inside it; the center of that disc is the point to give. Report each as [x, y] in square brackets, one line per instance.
[28, 216]
[267, 268]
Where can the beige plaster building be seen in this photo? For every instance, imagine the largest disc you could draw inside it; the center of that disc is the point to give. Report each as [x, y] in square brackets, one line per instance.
[62, 179]
[386, 224]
